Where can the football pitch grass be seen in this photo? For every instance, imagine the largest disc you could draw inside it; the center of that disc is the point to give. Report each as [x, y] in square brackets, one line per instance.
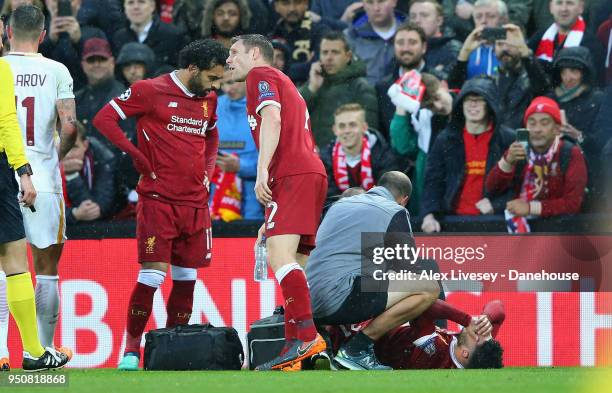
[510, 380]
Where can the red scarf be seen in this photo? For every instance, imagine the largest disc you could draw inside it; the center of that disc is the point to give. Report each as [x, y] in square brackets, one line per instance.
[341, 171]
[535, 184]
[227, 199]
[546, 47]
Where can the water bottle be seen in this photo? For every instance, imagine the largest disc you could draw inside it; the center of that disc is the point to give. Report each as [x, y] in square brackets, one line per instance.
[260, 272]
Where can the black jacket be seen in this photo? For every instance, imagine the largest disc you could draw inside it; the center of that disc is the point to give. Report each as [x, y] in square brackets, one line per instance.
[382, 157]
[103, 191]
[106, 15]
[165, 39]
[582, 111]
[589, 40]
[301, 41]
[445, 168]
[91, 99]
[442, 54]
[69, 54]
[516, 89]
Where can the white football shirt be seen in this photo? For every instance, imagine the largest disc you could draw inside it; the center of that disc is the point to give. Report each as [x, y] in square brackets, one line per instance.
[39, 83]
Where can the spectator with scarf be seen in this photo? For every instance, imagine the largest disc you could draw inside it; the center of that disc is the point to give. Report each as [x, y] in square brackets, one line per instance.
[233, 183]
[89, 179]
[462, 156]
[548, 178]
[568, 30]
[358, 156]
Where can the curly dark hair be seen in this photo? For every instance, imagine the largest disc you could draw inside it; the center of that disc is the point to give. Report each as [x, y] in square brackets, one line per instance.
[487, 355]
[204, 54]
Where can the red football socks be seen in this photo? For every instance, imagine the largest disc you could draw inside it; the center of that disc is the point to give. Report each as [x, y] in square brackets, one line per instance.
[180, 303]
[443, 310]
[139, 311]
[297, 306]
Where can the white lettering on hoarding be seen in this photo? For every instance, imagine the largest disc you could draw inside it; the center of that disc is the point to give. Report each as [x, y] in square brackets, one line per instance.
[71, 322]
[590, 321]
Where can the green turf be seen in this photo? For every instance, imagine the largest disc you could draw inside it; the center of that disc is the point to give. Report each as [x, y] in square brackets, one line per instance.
[510, 380]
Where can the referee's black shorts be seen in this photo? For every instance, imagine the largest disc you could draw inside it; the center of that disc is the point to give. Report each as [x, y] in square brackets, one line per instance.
[360, 305]
[11, 220]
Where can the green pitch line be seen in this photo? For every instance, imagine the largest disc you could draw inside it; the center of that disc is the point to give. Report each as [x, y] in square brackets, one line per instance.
[510, 380]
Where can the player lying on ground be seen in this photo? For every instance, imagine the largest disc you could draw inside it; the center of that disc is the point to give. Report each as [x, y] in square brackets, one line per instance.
[422, 345]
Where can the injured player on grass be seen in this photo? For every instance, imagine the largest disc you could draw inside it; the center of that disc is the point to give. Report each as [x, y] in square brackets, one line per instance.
[422, 345]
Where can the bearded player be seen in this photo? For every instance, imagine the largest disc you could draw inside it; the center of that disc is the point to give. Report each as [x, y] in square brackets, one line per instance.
[422, 345]
[291, 183]
[176, 153]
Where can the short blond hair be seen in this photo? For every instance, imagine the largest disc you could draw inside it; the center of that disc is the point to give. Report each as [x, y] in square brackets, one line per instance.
[350, 107]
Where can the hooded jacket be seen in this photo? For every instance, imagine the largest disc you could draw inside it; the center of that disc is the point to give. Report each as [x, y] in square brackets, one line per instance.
[589, 41]
[581, 111]
[188, 15]
[206, 27]
[376, 52]
[348, 85]
[134, 52]
[443, 173]
[516, 88]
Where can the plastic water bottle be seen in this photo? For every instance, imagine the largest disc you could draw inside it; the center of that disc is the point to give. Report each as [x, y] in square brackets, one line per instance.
[260, 272]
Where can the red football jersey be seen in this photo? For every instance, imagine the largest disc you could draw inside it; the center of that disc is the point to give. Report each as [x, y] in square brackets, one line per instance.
[422, 346]
[406, 347]
[174, 128]
[296, 152]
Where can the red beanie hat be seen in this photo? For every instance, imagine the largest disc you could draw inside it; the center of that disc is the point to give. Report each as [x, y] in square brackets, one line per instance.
[543, 105]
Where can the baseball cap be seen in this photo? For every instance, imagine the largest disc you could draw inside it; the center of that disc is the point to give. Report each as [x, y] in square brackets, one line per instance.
[96, 47]
[543, 105]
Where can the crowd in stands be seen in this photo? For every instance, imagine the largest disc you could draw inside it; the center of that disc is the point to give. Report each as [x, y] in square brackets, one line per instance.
[434, 88]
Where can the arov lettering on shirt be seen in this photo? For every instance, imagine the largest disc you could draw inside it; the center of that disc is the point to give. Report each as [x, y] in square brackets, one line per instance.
[264, 90]
[30, 80]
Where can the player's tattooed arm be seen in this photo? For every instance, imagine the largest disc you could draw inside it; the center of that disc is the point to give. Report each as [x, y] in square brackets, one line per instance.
[66, 110]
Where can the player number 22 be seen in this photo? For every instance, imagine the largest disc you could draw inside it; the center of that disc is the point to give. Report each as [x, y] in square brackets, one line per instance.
[28, 103]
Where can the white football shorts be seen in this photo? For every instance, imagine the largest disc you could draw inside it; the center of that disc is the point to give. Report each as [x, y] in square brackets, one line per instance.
[47, 225]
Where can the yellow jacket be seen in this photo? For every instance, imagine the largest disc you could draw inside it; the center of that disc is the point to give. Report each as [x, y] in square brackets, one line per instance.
[11, 140]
